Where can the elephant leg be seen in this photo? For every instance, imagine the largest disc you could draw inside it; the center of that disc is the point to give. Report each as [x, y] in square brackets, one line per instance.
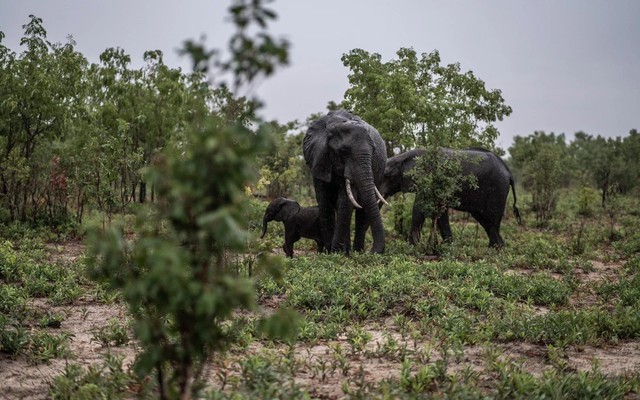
[290, 237]
[492, 228]
[320, 246]
[417, 221]
[362, 225]
[327, 199]
[495, 239]
[361, 229]
[444, 227]
[342, 235]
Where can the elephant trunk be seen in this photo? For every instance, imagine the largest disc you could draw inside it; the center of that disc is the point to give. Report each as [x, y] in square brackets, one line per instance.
[369, 201]
[265, 220]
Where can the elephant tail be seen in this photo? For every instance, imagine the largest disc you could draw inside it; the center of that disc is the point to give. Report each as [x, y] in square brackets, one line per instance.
[516, 212]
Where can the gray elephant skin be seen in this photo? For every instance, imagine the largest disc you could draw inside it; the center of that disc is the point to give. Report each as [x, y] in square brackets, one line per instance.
[486, 203]
[347, 158]
[298, 222]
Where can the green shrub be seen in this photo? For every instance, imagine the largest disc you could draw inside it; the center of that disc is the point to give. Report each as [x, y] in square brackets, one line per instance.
[113, 334]
[44, 346]
[13, 337]
[9, 267]
[50, 320]
[565, 327]
[13, 300]
[108, 380]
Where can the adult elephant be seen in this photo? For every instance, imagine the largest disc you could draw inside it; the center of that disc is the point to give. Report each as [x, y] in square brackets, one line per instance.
[486, 202]
[347, 157]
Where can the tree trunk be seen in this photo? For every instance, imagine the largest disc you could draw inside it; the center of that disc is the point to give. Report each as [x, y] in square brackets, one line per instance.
[142, 195]
[433, 236]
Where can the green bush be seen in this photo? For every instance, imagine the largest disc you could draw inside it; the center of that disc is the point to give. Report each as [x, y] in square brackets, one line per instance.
[113, 334]
[44, 346]
[13, 300]
[108, 380]
[400, 213]
[565, 327]
[13, 337]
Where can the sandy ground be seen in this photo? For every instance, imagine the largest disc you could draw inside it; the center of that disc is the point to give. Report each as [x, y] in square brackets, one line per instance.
[20, 380]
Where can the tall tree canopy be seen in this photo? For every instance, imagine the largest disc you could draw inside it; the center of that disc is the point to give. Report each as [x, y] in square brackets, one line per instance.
[39, 99]
[74, 134]
[607, 162]
[414, 100]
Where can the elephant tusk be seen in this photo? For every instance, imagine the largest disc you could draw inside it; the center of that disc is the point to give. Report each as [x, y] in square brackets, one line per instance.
[380, 196]
[350, 194]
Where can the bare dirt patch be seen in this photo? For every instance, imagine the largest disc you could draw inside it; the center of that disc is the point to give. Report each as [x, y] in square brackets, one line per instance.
[68, 251]
[602, 272]
[21, 380]
[585, 295]
[620, 359]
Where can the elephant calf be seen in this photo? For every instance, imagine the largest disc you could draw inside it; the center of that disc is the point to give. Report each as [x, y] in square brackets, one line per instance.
[298, 222]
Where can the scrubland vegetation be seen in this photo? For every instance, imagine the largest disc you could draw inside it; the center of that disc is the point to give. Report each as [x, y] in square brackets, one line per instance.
[131, 201]
[543, 316]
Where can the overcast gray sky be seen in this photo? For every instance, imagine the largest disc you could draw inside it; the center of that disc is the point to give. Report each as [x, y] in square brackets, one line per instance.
[563, 66]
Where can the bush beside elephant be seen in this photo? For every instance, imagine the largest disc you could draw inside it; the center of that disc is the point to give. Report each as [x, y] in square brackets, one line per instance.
[298, 222]
[486, 203]
[347, 158]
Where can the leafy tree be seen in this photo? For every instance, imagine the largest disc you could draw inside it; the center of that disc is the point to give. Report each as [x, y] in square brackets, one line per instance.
[162, 98]
[74, 134]
[412, 98]
[119, 117]
[132, 116]
[438, 178]
[233, 109]
[253, 52]
[600, 160]
[543, 161]
[40, 96]
[282, 168]
[175, 276]
[630, 150]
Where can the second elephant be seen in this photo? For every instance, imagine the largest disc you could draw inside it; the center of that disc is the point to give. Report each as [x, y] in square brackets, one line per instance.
[298, 222]
[486, 203]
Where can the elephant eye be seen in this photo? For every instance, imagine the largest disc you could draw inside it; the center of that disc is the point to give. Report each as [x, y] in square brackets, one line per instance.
[344, 150]
[339, 145]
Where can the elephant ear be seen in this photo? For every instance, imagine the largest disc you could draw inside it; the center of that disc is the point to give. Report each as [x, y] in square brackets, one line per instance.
[316, 150]
[410, 158]
[288, 209]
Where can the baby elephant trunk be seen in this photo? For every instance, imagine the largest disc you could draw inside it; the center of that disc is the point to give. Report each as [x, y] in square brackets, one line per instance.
[265, 221]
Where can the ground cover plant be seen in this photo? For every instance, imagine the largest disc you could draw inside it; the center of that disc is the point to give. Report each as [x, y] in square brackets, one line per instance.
[533, 319]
